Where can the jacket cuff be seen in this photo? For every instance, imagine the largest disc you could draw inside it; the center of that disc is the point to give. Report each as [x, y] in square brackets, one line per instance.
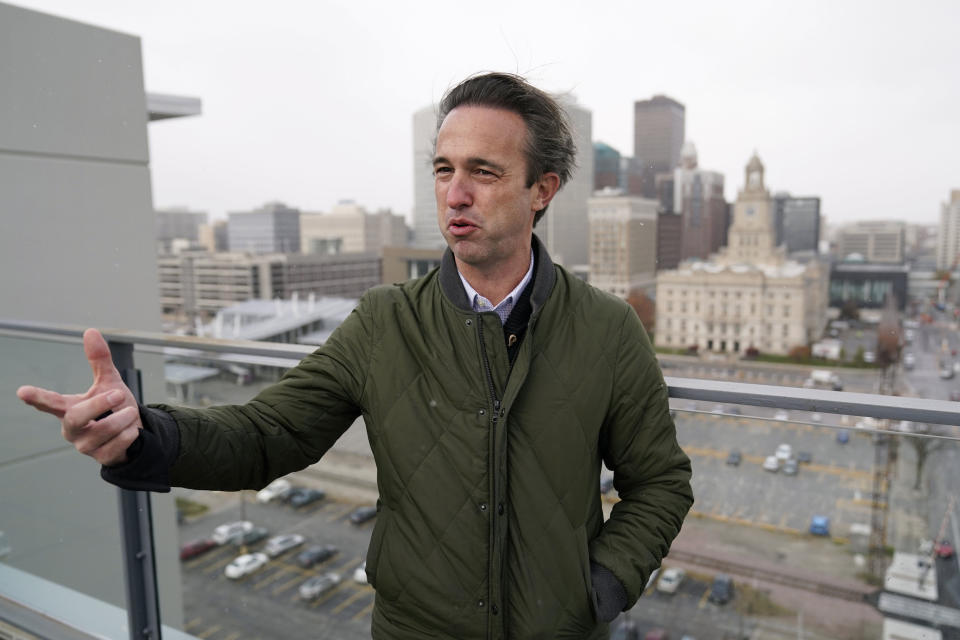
[150, 456]
[608, 592]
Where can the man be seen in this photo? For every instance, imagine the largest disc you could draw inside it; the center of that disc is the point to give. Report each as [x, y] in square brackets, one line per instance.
[491, 389]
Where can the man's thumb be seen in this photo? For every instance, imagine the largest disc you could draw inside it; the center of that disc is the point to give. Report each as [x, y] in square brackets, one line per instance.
[98, 354]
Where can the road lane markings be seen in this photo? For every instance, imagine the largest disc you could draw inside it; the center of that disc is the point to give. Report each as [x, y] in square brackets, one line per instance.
[282, 570]
[233, 636]
[218, 565]
[846, 472]
[209, 631]
[301, 577]
[341, 512]
[329, 594]
[196, 622]
[359, 593]
[703, 599]
[363, 612]
[207, 557]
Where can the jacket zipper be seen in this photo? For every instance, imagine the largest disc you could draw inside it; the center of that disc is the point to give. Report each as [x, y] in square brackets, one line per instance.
[495, 401]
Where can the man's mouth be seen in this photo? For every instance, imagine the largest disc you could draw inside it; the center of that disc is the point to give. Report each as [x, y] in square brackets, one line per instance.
[460, 227]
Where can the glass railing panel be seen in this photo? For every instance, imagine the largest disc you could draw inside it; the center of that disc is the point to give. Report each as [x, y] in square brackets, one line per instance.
[59, 519]
[267, 602]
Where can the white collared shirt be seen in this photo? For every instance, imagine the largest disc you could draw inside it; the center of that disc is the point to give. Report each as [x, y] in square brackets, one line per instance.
[479, 303]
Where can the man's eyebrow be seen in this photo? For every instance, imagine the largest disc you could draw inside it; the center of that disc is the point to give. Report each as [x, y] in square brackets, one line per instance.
[474, 161]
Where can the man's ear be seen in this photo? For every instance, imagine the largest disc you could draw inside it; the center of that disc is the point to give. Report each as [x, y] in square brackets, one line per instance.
[544, 190]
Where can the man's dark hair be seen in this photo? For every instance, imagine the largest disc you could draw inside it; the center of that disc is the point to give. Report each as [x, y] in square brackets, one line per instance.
[549, 146]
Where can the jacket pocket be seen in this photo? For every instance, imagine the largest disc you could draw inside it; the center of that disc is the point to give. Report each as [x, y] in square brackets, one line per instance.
[376, 543]
[583, 549]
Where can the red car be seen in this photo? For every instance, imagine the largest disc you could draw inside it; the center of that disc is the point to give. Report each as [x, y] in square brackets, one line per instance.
[196, 547]
[943, 549]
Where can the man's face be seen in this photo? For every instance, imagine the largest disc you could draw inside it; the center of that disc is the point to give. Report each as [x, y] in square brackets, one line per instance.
[484, 208]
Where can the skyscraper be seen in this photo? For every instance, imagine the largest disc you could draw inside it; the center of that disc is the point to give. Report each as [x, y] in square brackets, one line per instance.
[606, 166]
[698, 198]
[658, 130]
[948, 244]
[426, 232]
[273, 228]
[623, 237]
[566, 226]
[797, 222]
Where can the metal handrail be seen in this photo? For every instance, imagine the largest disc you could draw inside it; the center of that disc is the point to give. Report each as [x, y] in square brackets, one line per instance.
[920, 410]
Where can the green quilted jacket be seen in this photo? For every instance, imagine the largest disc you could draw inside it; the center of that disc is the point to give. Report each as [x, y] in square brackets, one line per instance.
[489, 510]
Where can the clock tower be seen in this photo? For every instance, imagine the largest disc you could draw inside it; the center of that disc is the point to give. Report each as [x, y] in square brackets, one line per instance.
[752, 235]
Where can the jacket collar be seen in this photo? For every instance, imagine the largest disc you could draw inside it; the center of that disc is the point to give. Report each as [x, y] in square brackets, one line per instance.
[543, 280]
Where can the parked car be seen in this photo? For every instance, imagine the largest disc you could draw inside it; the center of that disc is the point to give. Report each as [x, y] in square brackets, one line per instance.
[244, 538]
[784, 452]
[816, 416]
[360, 573]
[734, 458]
[943, 549]
[223, 533]
[671, 579]
[946, 372]
[273, 490]
[804, 457]
[282, 543]
[843, 436]
[869, 357]
[721, 591]
[314, 554]
[245, 565]
[302, 497]
[771, 463]
[790, 467]
[362, 514]
[318, 585]
[820, 526]
[909, 361]
[781, 414]
[196, 547]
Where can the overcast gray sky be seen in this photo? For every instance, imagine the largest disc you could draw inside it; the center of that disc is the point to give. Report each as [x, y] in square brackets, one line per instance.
[311, 102]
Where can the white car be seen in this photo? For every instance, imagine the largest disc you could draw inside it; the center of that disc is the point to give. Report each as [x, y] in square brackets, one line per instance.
[816, 417]
[869, 357]
[784, 452]
[281, 544]
[360, 573]
[273, 490]
[670, 580]
[781, 414]
[244, 565]
[223, 533]
[771, 463]
[318, 585]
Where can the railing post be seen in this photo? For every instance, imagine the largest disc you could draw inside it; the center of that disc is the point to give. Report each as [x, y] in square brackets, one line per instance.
[136, 529]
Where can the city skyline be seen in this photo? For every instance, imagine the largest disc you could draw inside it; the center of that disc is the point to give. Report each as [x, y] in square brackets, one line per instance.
[837, 102]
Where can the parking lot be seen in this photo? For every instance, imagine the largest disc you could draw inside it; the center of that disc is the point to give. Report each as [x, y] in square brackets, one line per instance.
[266, 603]
[836, 483]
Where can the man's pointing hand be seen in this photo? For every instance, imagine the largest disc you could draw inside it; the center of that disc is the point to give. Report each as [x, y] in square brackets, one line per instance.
[105, 440]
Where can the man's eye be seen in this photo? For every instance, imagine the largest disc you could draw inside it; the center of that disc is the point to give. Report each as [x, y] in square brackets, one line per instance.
[485, 173]
[439, 171]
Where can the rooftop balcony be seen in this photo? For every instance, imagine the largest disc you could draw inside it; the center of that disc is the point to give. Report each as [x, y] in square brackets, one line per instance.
[822, 540]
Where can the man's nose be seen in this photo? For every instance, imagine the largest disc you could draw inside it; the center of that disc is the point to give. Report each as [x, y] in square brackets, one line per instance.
[459, 193]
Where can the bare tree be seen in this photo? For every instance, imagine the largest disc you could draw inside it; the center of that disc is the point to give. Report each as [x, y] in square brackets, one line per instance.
[645, 307]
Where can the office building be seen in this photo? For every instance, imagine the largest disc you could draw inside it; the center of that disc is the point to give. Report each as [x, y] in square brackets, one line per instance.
[868, 285]
[748, 295]
[669, 240]
[698, 198]
[78, 229]
[349, 228]
[658, 135]
[273, 228]
[948, 245]
[797, 221]
[178, 223]
[405, 263]
[196, 284]
[881, 241]
[623, 238]
[606, 166]
[213, 236]
[565, 228]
